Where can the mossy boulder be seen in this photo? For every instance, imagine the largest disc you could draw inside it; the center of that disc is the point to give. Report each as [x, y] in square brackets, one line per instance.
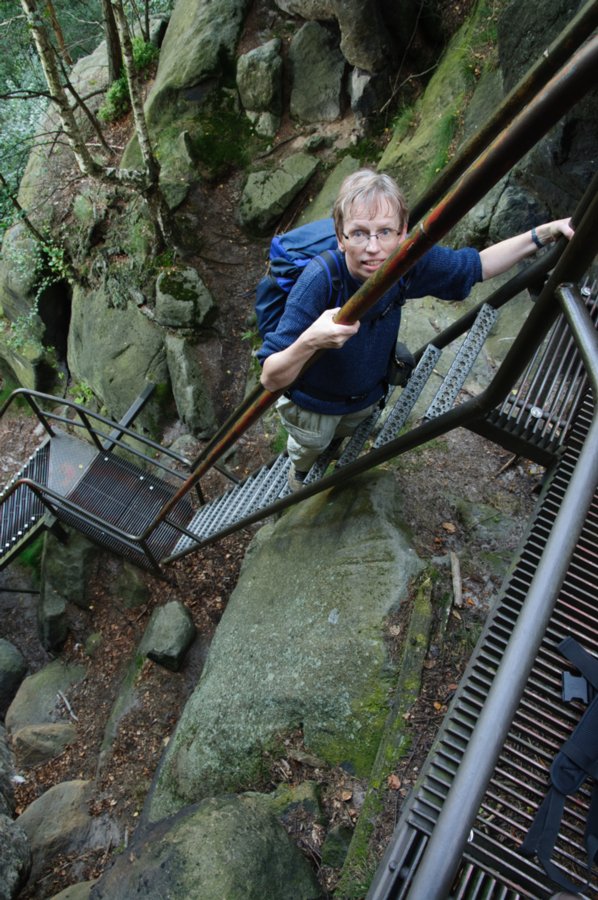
[225, 848]
[200, 39]
[301, 645]
[267, 193]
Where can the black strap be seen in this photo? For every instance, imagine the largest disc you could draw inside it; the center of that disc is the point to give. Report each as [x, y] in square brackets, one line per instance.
[576, 760]
[542, 836]
[328, 260]
[581, 659]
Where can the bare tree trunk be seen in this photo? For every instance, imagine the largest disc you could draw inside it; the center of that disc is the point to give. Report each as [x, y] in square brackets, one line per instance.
[115, 62]
[146, 181]
[45, 51]
[152, 192]
[64, 52]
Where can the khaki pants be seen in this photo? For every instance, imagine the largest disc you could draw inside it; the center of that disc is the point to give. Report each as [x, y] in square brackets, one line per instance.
[310, 432]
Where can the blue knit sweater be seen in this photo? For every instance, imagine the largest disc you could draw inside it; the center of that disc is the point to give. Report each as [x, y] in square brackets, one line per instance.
[353, 377]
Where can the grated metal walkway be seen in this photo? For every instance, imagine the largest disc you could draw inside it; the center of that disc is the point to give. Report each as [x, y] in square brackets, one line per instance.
[492, 867]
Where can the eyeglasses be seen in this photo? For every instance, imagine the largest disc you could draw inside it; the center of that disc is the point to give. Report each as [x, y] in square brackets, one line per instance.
[359, 238]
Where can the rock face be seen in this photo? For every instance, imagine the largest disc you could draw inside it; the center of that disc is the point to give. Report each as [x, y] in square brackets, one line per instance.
[35, 721]
[267, 194]
[60, 822]
[301, 648]
[316, 59]
[12, 671]
[259, 82]
[114, 348]
[224, 848]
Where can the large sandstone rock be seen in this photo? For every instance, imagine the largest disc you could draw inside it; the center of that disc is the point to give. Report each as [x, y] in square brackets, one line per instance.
[199, 38]
[12, 671]
[35, 744]
[60, 822]
[317, 67]
[365, 40]
[188, 364]
[300, 645]
[115, 350]
[259, 82]
[223, 849]
[182, 299]
[169, 634]
[267, 193]
[67, 566]
[38, 699]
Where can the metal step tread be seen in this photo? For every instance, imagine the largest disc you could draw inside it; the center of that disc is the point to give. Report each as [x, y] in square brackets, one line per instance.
[127, 499]
[463, 362]
[21, 511]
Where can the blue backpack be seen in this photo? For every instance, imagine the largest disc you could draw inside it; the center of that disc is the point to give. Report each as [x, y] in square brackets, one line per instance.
[289, 254]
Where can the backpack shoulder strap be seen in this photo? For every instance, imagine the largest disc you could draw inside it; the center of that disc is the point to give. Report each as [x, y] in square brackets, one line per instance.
[330, 262]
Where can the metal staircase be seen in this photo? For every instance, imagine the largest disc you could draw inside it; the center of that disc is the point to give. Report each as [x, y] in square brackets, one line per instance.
[89, 473]
[90, 480]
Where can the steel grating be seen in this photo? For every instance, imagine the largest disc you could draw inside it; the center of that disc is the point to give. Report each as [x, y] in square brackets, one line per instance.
[127, 499]
[541, 408]
[22, 510]
[492, 866]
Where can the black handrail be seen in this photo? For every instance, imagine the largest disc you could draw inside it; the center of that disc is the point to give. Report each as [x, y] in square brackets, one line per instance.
[114, 436]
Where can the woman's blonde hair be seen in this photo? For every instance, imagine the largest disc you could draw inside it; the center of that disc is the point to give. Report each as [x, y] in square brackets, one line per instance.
[366, 188]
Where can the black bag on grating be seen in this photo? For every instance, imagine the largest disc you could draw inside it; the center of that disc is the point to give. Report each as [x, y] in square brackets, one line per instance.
[576, 761]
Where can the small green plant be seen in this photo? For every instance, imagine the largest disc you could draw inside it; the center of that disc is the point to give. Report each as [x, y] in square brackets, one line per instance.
[82, 393]
[31, 556]
[118, 101]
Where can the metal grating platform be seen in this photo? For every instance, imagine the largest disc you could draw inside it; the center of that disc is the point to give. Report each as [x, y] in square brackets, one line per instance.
[491, 866]
[118, 493]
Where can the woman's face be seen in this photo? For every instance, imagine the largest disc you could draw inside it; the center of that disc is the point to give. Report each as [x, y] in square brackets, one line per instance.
[369, 236]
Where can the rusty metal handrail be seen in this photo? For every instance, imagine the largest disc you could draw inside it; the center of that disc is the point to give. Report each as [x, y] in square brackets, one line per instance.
[572, 82]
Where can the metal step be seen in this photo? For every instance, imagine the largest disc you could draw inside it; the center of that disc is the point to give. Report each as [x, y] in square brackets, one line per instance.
[256, 492]
[463, 362]
[409, 396]
[21, 512]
